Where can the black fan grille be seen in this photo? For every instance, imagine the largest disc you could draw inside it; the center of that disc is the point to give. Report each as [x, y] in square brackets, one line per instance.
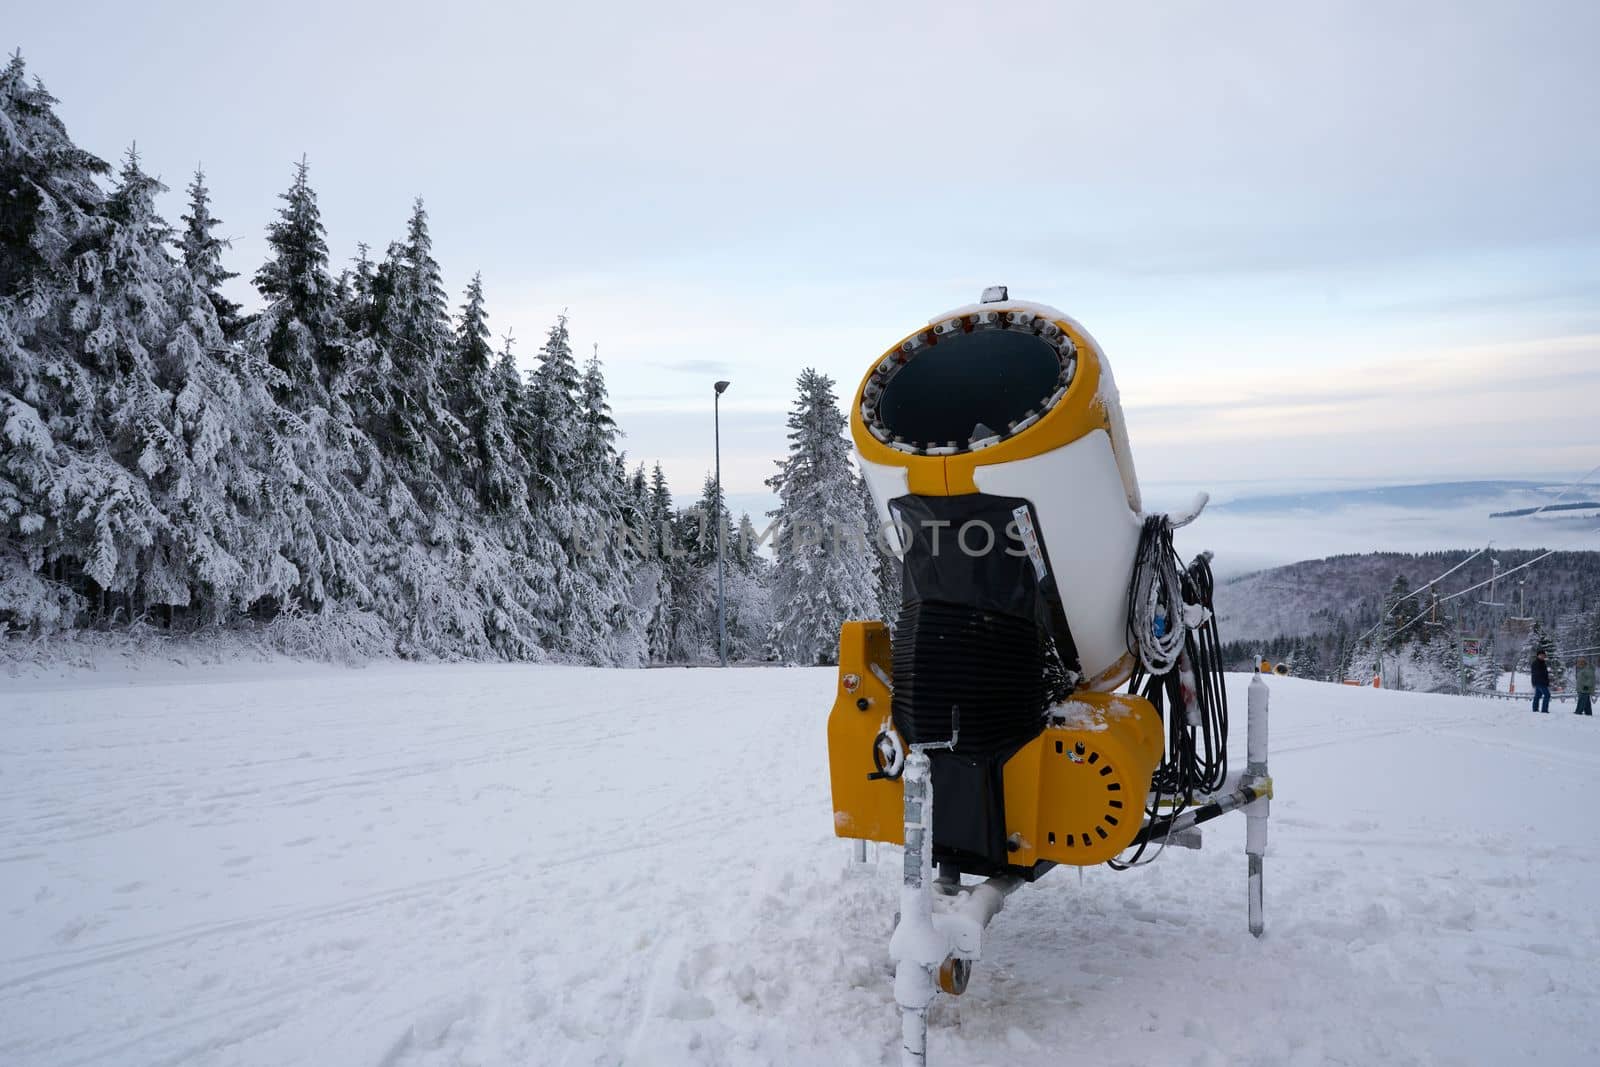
[990, 665]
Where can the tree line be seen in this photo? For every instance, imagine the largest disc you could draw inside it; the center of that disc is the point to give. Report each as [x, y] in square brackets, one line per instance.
[357, 458]
[1416, 642]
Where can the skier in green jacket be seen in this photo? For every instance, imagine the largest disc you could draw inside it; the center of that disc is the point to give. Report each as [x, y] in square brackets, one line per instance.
[1585, 688]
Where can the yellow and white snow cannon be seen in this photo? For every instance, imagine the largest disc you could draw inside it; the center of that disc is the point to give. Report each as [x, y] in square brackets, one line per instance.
[993, 445]
[992, 442]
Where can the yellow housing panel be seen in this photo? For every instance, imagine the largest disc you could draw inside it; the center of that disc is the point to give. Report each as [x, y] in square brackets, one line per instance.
[1073, 795]
[871, 809]
[1076, 793]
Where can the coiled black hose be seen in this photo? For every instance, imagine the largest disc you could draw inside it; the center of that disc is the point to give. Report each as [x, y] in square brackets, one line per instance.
[1172, 634]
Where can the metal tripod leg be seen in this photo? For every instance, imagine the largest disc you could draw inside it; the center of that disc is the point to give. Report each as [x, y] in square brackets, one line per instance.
[1256, 814]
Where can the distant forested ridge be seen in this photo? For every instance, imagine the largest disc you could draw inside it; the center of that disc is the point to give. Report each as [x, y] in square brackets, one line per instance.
[1341, 616]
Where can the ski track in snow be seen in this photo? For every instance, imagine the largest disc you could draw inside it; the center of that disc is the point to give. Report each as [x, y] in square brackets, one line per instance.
[505, 865]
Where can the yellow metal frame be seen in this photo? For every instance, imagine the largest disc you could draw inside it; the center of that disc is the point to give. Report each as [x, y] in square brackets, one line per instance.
[1076, 793]
[1073, 795]
[873, 810]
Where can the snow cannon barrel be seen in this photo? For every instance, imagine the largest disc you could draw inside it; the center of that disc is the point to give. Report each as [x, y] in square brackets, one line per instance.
[997, 405]
[992, 443]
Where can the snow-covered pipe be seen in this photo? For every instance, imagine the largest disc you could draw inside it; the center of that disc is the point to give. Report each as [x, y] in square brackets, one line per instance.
[917, 947]
[964, 918]
[1256, 729]
[988, 898]
[1256, 814]
[1245, 793]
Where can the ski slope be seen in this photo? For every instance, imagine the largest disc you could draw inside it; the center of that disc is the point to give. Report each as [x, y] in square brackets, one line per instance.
[520, 865]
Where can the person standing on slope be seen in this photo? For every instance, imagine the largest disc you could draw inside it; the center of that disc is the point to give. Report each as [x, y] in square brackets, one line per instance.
[1585, 688]
[1541, 683]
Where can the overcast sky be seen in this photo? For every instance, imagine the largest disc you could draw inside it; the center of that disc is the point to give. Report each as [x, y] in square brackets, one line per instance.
[1318, 241]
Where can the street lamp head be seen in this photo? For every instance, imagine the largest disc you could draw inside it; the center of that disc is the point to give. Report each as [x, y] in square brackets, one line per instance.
[722, 387]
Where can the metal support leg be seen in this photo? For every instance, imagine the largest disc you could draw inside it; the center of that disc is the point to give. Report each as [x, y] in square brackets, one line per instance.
[916, 946]
[1257, 812]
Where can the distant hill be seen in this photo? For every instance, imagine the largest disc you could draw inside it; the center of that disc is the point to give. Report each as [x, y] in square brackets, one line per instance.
[1321, 596]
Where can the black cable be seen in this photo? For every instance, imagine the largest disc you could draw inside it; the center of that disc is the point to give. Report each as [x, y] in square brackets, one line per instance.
[1191, 686]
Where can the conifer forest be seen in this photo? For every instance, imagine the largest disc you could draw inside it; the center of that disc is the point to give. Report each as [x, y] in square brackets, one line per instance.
[357, 467]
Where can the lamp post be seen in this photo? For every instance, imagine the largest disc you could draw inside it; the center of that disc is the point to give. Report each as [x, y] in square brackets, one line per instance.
[716, 430]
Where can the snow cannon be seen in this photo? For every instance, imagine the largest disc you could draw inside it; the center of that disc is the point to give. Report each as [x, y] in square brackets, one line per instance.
[993, 445]
[985, 732]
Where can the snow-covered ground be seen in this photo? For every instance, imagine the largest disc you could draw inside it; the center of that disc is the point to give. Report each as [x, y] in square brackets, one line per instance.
[491, 865]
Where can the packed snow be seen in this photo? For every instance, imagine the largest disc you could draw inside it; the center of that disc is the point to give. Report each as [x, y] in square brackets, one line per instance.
[521, 864]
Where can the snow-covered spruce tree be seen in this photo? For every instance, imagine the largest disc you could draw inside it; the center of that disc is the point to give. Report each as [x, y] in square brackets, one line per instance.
[126, 328]
[141, 331]
[419, 430]
[669, 559]
[1446, 650]
[216, 559]
[1308, 661]
[1364, 655]
[554, 426]
[702, 523]
[639, 506]
[225, 416]
[1342, 654]
[1485, 675]
[461, 586]
[136, 464]
[320, 501]
[614, 607]
[747, 603]
[642, 584]
[650, 580]
[354, 296]
[822, 574]
[749, 550]
[661, 510]
[1589, 634]
[535, 558]
[1399, 608]
[124, 408]
[299, 332]
[508, 387]
[475, 387]
[481, 389]
[749, 596]
[515, 419]
[202, 253]
[556, 434]
[693, 575]
[54, 470]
